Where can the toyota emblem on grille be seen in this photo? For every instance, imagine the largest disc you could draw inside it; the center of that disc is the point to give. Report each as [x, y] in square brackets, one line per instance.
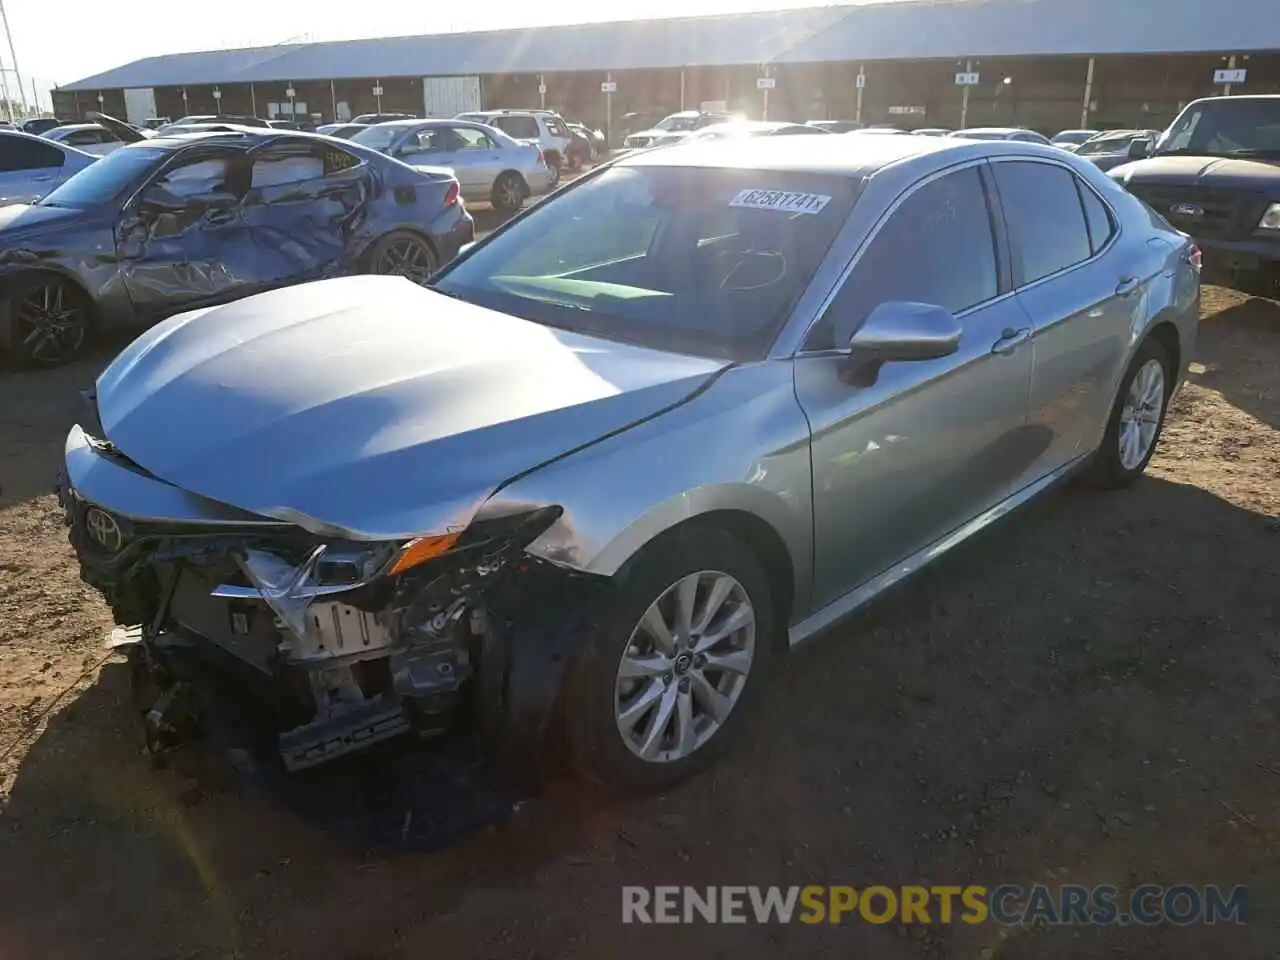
[103, 530]
[1186, 210]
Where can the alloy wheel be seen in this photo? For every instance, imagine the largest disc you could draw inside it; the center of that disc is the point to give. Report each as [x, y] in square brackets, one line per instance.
[685, 666]
[50, 325]
[407, 257]
[1140, 415]
[509, 193]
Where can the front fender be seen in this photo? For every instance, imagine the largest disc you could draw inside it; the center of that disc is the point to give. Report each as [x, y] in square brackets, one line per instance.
[741, 445]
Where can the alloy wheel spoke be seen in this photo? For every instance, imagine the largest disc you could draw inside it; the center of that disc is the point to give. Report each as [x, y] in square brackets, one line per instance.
[712, 701]
[735, 661]
[686, 734]
[641, 705]
[655, 625]
[658, 725]
[718, 594]
[686, 597]
[741, 618]
[639, 666]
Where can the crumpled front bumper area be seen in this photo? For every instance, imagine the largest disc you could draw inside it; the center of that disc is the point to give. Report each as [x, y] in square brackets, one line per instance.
[327, 652]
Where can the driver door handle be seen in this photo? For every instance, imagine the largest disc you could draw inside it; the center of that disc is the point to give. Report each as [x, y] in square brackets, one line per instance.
[1010, 340]
[220, 216]
[1127, 286]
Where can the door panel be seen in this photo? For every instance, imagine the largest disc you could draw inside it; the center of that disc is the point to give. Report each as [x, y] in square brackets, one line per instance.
[930, 444]
[1069, 267]
[183, 259]
[301, 209]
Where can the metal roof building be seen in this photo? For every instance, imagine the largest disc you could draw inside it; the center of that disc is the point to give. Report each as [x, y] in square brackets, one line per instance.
[904, 30]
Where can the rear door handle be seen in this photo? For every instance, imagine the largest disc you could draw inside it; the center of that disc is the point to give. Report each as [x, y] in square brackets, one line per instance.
[1127, 287]
[1010, 340]
[43, 179]
[220, 216]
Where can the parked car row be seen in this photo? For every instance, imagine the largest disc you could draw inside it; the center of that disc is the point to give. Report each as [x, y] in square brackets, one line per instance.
[173, 223]
[591, 483]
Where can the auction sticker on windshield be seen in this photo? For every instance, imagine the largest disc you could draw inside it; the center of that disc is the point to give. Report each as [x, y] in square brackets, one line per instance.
[782, 200]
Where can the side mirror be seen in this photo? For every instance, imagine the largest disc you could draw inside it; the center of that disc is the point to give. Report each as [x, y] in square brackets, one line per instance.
[1139, 149]
[899, 332]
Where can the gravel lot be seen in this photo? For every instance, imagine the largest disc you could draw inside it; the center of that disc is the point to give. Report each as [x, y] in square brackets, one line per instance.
[1088, 694]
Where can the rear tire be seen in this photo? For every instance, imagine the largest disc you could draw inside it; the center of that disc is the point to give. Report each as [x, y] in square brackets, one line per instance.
[509, 192]
[48, 321]
[644, 712]
[1136, 420]
[403, 254]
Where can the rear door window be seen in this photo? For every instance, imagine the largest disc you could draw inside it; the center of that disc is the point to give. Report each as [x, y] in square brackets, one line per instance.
[1047, 228]
[522, 128]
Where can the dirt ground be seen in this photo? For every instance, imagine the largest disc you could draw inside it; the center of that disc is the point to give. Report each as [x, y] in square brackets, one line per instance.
[1087, 694]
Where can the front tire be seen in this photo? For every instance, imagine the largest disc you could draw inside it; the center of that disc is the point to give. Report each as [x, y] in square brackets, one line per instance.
[49, 321]
[678, 663]
[1137, 418]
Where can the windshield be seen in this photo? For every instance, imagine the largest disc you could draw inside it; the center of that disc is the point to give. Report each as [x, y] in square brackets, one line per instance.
[1227, 127]
[982, 134]
[689, 260]
[106, 179]
[379, 137]
[1074, 136]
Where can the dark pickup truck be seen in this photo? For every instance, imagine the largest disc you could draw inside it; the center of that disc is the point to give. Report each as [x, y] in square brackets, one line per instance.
[1215, 174]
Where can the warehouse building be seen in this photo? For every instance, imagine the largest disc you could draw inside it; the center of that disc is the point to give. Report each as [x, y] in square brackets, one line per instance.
[1046, 64]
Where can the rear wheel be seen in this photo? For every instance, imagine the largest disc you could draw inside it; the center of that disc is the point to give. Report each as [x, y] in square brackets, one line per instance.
[554, 164]
[667, 683]
[1137, 418]
[509, 191]
[49, 321]
[403, 254]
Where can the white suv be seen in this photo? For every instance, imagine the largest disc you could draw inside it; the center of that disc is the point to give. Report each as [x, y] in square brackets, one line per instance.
[541, 127]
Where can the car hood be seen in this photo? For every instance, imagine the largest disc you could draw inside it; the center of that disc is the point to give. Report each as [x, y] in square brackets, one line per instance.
[1189, 171]
[21, 217]
[370, 407]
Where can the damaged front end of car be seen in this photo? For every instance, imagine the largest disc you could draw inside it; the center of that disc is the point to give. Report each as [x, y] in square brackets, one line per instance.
[338, 643]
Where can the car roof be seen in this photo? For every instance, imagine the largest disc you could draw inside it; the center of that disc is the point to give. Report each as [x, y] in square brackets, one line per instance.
[992, 130]
[68, 127]
[840, 156]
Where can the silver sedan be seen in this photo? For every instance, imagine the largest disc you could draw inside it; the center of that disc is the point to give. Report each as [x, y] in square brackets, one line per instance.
[31, 166]
[696, 408]
[490, 166]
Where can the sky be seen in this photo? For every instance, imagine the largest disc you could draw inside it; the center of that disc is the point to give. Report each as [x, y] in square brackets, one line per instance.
[72, 39]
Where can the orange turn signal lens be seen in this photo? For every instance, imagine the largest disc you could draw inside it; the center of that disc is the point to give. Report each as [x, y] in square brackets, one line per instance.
[419, 551]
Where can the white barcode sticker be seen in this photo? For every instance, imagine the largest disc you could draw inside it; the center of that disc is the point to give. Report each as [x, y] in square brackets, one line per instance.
[782, 200]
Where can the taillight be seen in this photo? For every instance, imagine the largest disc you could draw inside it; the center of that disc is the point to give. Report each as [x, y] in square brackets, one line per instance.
[451, 195]
[542, 159]
[1195, 258]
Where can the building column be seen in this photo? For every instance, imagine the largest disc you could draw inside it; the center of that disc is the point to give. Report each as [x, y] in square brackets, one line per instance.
[964, 97]
[1088, 96]
[861, 84]
[1231, 65]
[542, 90]
[682, 88]
[253, 101]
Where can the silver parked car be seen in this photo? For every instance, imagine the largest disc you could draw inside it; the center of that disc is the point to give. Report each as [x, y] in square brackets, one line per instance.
[632, 447]
[31, 166]
[489, 165]
[89, 137]
[1017, 134]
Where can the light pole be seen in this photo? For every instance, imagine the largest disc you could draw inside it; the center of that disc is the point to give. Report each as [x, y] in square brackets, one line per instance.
[13, 59]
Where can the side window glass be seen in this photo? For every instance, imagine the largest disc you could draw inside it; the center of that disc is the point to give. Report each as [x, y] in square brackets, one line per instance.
[469, 139]
[21, 153]
[275, 168]
[82, 138]
[937, 247]
[430, 140]
[1096, 214]
[1047, 230]
[197, 178]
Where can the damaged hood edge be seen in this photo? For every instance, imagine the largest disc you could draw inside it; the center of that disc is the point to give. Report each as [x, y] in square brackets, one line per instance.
[370, 408]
